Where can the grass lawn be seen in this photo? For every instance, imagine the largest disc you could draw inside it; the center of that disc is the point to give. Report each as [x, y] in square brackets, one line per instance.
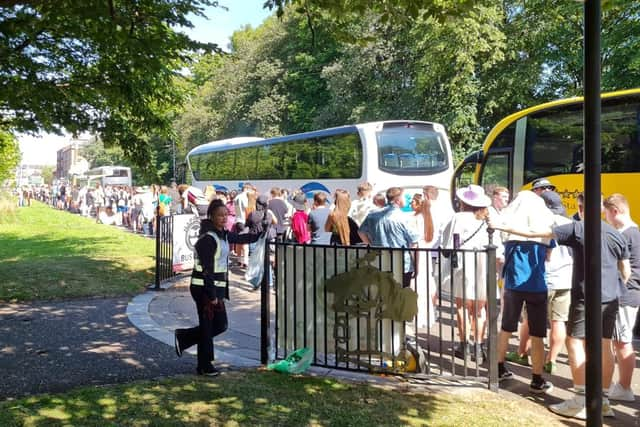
[50, 254]
[267, 399]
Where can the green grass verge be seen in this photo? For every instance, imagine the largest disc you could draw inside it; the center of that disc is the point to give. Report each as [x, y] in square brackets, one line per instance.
[50, 254]
[267, 399]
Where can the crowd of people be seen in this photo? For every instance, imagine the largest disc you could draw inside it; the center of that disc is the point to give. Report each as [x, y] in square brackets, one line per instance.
[544, 287]
[134, 208]
[539, 260]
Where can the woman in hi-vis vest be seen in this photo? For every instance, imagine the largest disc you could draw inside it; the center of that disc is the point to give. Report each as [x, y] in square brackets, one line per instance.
[210, 285]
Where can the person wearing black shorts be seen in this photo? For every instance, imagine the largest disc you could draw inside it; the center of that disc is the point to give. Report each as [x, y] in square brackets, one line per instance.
[614, 260]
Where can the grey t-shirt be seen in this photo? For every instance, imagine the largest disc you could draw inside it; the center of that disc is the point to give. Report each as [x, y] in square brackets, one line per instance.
[613, 248]
[632, 295]
[317, 220]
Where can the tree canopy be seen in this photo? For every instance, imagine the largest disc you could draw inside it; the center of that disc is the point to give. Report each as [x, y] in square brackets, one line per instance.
[107, 67]
[464, 64]
[10, 155]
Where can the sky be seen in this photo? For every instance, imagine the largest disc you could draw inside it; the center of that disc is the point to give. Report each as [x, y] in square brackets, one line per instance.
[41, 149]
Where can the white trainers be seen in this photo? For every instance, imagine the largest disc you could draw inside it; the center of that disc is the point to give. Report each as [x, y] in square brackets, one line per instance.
[617, 392]
[606, 408]
[574, 408]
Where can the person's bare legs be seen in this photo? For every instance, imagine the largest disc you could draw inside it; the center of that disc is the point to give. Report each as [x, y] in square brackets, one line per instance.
[537, 355]
[463, 320]
[608, 363]
[524, 345]
[503, 344]
[480, 320]
[575, 348]
[557, 337]
[626, 363]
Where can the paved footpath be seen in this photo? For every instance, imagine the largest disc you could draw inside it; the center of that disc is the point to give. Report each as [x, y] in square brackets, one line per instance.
[56, 346]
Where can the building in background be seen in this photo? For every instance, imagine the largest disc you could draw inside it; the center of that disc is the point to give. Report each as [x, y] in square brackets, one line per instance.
[69, 162]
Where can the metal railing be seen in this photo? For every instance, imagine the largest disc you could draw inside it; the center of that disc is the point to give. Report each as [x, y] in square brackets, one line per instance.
[164, 249]
[349, 306]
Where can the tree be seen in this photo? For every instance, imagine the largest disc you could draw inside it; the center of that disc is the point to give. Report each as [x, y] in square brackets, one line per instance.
[10, 155]
[48, 173]
[269, 84]
[107, 67]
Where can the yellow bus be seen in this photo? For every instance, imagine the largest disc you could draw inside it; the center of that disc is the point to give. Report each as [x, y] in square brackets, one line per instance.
[547, 141]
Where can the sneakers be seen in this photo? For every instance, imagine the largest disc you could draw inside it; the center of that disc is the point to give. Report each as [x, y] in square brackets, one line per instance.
[514, 357]
[606, 408]
[209, 371]
[504, 373]
[462, 351]
[617, 392]
[484, 348]
[550, 367]
[476, 354]
[542, 387]
[576, 408]
[573, 408]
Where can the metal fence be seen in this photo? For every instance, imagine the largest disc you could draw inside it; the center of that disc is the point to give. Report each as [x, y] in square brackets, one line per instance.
[349, 306]
[164, 249]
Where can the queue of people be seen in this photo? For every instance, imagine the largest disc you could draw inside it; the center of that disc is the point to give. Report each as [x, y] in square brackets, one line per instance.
[539, 262]
[544, 284]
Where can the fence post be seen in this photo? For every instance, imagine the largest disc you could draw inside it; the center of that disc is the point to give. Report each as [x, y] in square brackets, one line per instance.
[265, 309]
[158, 258]
[493, 312]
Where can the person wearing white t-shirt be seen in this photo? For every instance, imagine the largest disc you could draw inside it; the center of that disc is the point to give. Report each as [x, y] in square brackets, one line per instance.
[558, 271]
[363, 204]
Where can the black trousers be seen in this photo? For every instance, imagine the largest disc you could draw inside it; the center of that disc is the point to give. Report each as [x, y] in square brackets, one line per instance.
[203, 334]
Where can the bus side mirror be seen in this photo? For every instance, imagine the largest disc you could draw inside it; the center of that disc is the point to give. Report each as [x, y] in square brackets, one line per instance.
[465, 174]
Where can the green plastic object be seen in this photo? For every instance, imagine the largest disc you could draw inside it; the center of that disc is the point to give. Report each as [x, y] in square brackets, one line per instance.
[296, 363]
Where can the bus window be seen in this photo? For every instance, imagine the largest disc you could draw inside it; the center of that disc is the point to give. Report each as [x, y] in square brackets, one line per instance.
[551, 140]
[505, 138]
[408, 160]
[340, 156]
[620, 137]
[554, 140]
[390, 160]
[408, 149]
[496, 170]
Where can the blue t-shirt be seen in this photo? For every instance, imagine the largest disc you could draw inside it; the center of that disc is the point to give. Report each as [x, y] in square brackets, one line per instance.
[387, 227]
[523, 269]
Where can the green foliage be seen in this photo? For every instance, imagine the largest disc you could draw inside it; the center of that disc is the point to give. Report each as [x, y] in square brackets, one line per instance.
[9, 155]
[48, 173]
[463, 64]
[91, 65]
[268, 85]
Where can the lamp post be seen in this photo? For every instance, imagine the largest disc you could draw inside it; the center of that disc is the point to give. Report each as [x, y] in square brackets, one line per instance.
[173, 155]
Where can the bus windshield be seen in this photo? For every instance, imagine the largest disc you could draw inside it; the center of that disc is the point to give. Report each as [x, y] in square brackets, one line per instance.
[411, 148]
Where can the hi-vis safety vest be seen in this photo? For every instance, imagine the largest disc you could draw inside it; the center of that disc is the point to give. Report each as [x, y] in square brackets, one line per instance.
[220, 263]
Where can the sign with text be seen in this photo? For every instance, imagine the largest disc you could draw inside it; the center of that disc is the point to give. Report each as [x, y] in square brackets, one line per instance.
[185, 235]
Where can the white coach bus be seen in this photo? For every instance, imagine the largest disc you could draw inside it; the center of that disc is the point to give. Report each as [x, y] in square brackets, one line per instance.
[402, 153]
[110, 175]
